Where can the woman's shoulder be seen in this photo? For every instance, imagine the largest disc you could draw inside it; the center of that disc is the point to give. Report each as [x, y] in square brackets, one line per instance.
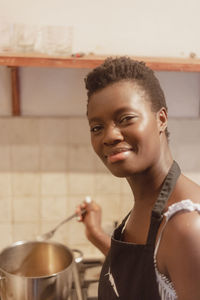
[182, 248]
[186, 189]
[182, 231]
[183, 218]
[179, 254]
[183, 213]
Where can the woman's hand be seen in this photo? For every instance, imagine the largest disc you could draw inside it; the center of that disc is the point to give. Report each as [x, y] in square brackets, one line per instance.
[91, 217]
[92, 221]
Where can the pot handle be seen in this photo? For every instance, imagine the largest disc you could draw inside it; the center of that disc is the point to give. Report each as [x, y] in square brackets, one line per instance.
[79, 257]
[77, 282]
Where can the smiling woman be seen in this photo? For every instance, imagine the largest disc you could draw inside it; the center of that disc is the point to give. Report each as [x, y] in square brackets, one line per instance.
[126, 129]
[148, 256]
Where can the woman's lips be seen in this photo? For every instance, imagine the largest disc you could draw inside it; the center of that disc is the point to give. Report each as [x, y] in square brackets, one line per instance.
[119, 156]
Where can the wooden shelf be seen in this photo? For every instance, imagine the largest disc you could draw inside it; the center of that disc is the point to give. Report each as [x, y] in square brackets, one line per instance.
[15, 61]
[91, 61]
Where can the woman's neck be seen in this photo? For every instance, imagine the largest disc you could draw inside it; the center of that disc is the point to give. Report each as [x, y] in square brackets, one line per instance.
[147, 184]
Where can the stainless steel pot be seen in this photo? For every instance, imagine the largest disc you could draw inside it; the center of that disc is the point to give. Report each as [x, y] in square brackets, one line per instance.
[37, 270]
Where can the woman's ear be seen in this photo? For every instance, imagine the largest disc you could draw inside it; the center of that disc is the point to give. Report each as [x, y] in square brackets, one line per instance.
[162, 119]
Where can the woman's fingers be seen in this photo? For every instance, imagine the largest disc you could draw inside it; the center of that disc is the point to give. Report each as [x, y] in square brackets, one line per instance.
[83, 208]
[88, 199]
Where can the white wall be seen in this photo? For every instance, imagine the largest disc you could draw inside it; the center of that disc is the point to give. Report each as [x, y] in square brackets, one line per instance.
[137, 27]
[134, 27]
[61, 92]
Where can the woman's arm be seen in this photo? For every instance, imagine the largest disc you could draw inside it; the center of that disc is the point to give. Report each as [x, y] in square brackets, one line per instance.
[93, 228]
[181, 254]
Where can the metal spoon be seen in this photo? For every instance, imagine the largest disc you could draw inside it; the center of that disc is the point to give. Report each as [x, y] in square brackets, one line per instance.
[50, 233]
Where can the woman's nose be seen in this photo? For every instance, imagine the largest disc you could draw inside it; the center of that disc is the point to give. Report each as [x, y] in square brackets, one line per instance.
[112, 135]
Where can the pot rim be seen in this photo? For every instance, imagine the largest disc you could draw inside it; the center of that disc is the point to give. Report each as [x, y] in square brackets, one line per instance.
[37, 242]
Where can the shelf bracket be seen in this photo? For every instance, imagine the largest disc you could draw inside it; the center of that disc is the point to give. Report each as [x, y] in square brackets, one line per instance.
[15, 84]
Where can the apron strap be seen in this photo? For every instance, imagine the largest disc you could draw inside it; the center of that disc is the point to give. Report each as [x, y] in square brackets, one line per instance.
[166, 190]
[117, 234]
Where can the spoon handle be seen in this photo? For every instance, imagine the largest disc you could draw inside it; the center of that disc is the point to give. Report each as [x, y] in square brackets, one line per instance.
[83, 211]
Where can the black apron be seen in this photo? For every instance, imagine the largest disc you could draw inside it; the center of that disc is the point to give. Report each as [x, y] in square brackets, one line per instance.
[128, 272]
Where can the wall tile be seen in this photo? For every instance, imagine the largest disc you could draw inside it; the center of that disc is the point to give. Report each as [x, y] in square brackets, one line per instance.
[5, 131]
[53, 208]
[23, 231]
[54, 158]
[81, 183]
[54, 131]
[79, 132]
[25, 184]
[99, 165]
[53, 184]
[25, 158]
[107, 184]
[125, 188]
[61, 235]
[110, 205]
[5, 161]
[5, 209]
[76, 234]
[24, 131]
[5, 184]
[5, 234]
[81, 159]
[26, 209]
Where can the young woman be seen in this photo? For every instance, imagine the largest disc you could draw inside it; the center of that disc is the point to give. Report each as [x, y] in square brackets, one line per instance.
[155, 252]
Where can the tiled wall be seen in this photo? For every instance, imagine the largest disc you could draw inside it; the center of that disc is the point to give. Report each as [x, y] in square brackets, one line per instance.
[47, 167]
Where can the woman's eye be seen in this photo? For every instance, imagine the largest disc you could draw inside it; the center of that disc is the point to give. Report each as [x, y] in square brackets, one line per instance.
[125, 119]
[96, 128]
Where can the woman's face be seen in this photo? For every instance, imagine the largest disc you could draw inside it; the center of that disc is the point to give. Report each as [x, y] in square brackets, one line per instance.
[125, 133]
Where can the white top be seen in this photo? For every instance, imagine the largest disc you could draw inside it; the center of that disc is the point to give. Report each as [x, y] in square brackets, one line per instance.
[166, 288]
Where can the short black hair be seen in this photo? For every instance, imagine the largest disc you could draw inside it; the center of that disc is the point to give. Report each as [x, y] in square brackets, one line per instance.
[126, 69]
